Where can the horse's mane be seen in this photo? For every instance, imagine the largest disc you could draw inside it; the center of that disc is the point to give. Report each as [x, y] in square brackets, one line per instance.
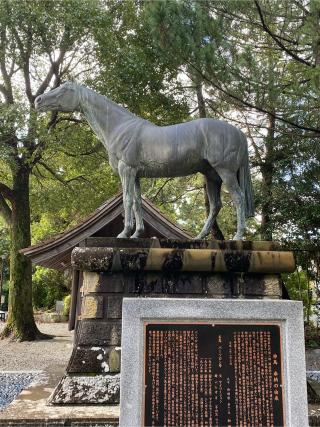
[103, 100]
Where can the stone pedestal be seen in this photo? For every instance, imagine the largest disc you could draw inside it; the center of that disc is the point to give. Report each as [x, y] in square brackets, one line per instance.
[117, 268]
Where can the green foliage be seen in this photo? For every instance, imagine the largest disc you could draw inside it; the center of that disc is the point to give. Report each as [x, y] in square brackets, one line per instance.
[48, 287]
[182, 199]
[4, 240]
[297, 285]
[41, 42]
[132, 70]
[297, 193]
[66, 305]
[312, 336]
[246, 69]
[299, 288]
[5, 295]
[77, 167]
[152, 57]
[4, 263]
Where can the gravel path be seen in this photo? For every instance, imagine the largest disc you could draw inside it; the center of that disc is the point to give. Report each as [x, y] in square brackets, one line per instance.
[37, 355]
[12, 384]
[23, 364]
[313, 359]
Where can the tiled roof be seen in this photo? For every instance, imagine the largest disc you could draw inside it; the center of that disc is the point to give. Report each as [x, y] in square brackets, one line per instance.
[55, 252]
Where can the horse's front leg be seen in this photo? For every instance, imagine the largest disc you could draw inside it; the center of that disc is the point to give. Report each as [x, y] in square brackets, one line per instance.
[128, 176]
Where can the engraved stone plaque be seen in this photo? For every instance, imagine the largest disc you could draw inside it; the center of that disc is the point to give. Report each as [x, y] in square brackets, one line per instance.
[221, 374]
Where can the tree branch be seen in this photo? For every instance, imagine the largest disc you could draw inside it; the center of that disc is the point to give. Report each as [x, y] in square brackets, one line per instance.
[52, 71]
[13, 70]
[180, 196]
[276, 39]
[52, 172]
[300, 5]
[94, 150]
[58, 178]
[255, 146]
[252, 106]
[25, 54]
[79, 178]
[26, 70]
[161, 188]
[55, 120]
[6, 89]
[6, 192]
[3, 90]
[5, 210]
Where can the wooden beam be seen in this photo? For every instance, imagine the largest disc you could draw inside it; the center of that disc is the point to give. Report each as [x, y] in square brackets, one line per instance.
[74, 297]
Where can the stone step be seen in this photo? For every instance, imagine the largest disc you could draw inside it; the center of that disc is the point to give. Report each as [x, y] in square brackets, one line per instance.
[58, 423]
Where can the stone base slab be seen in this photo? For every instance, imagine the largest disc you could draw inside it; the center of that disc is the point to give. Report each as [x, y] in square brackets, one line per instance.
[83, 389]
[182, 260]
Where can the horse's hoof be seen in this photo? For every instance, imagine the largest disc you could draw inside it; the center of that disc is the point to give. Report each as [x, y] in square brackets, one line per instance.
[238, 237]
[200, 236]
[123, 235]
[137, 234]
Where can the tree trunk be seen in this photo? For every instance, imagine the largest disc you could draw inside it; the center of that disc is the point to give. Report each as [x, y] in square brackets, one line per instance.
[216, 233]
[20, 324]
[266, 206]
[201, 103]
[1, 280]
[267, 170]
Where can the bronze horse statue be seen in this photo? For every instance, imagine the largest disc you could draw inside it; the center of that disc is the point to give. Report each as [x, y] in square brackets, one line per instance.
[137, 148]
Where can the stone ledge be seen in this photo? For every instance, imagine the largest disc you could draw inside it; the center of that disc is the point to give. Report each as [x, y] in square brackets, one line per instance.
[167, 260]
[239, 245]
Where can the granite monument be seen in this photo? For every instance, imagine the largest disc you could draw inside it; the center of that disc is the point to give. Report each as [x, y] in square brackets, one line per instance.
[212, 362]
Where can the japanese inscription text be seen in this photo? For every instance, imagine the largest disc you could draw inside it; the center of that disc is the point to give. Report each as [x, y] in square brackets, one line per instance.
[213, 375]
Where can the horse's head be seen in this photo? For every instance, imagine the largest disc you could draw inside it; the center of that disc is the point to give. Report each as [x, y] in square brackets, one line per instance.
[63, 98]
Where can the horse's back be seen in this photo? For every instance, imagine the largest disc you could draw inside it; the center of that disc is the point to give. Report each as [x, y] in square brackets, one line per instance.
[189, 147]
[208, 128]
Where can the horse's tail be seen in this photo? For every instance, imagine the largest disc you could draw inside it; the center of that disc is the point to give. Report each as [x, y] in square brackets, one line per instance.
[245, 183]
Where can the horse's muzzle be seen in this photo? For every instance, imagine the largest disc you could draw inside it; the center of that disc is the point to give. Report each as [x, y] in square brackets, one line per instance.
[37, 102]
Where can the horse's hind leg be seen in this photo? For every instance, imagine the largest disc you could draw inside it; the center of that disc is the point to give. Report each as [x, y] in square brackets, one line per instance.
[213, 182]
[230, 180]
[128, 176]
[137, 209]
